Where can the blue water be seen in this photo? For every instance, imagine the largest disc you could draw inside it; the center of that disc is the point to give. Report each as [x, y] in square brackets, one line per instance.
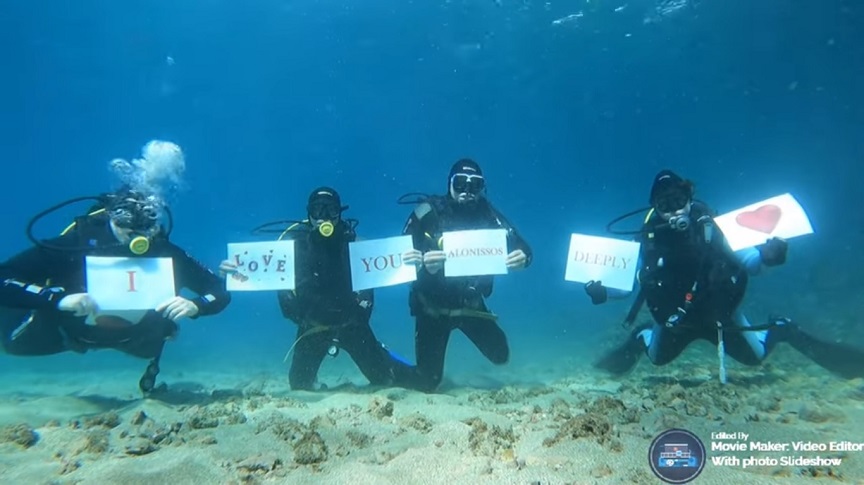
[570, 122]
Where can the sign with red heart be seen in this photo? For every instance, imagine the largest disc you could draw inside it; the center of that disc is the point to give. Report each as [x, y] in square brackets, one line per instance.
[764, 219]
[781, 216]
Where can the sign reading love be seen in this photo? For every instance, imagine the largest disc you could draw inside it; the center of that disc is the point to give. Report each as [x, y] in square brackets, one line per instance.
[780, 216]
[262, 266]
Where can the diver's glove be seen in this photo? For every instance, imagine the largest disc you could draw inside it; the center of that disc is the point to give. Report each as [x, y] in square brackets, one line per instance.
[596, 291]
[773, 252]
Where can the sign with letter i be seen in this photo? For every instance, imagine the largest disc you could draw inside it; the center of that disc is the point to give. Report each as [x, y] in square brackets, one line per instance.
[129, 283]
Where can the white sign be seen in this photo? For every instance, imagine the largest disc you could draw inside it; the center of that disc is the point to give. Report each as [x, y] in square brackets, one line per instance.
[749, 226]
[261, 266]
[378, 262]
[611, 261]
[474, 253]
[130, 283]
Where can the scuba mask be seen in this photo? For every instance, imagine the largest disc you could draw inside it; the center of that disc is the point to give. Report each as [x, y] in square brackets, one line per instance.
[468, 184]
[326, 211]
[127, 209]
[671, 201]
[137, 214]
[677, 203]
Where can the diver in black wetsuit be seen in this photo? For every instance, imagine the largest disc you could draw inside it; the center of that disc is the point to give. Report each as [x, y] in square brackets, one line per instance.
[44, 304]
[328, 313]
[440, 304]
[693, 284]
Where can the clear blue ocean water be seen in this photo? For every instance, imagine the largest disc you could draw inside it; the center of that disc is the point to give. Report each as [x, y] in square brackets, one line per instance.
[571, 107]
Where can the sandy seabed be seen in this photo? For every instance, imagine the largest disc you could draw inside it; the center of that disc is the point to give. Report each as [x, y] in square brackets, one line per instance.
[562, 424]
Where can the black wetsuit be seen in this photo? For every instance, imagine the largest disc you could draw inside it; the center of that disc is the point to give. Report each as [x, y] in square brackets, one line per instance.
[33, 282]
[441, 304]
[695, 275]
[329, 314]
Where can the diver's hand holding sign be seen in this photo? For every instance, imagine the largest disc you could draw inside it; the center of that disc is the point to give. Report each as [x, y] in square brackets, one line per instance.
[596, 291]
[773, 252]
[413, 257]
[226, 268]
[517, 259]
[81, 304]
[176, 308]
[434, 261]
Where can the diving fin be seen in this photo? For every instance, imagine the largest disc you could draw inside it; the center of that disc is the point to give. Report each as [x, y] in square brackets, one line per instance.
[623, 358]
[842, 359]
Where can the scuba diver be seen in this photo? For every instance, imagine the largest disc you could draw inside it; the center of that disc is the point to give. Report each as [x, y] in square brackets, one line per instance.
[44, 305]
[440, 304]
[329, 315]
[693, 285]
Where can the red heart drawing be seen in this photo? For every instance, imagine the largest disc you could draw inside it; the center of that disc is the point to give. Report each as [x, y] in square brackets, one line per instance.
[763, 219]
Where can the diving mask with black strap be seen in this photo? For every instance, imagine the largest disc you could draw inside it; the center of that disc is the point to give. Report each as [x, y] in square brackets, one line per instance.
[674, 205]
[325, 216]
[464, 183]
[128, 210]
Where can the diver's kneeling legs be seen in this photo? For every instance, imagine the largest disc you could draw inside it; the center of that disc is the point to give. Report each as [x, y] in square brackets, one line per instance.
[747, 347]
[663, 345]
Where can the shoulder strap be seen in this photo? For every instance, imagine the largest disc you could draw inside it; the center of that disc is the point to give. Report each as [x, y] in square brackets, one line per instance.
[498, 216]
[435, 206]
[423, 209]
